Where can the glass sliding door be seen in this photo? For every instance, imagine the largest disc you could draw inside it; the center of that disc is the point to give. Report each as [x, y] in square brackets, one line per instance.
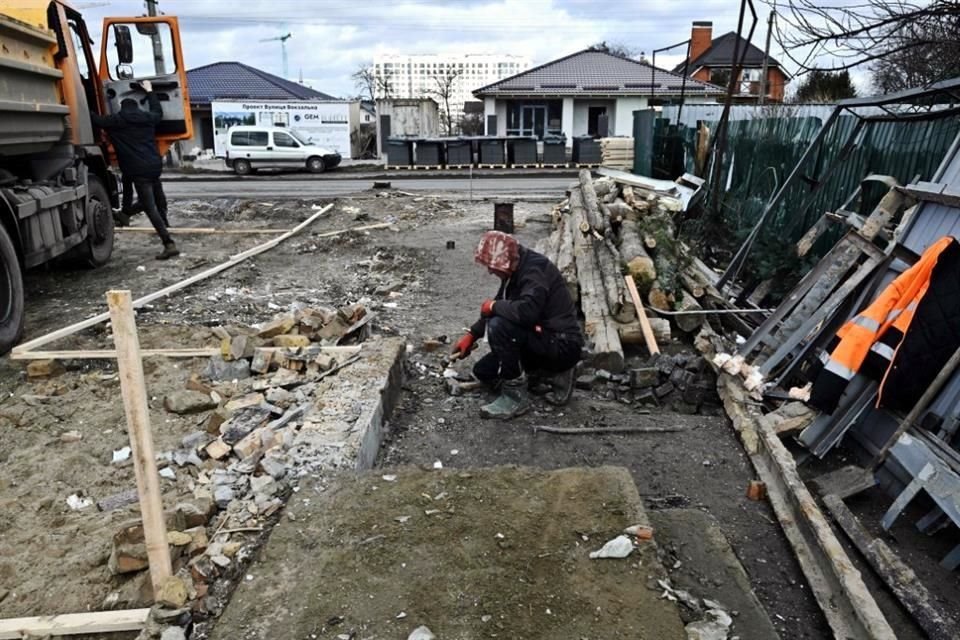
[533, 121]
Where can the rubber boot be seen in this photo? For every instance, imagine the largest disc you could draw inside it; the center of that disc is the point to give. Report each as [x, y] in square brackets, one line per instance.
[562, 387]
[514, 400]
[169, 251]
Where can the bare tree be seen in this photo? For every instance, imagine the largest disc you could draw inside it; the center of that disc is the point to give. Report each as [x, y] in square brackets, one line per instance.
[371, 85]
[618, 49]
[445, 82]
[905, 43]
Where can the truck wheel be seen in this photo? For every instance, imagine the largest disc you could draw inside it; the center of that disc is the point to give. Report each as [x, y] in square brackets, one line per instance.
[11, 294]
[315, 165]
[241, 167]
[99, 245]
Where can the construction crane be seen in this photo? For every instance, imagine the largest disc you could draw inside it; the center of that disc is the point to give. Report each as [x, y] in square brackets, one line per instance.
[283, 47]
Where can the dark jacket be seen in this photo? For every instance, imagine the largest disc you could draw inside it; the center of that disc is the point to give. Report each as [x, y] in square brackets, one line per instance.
[535, 295]
[132, 132]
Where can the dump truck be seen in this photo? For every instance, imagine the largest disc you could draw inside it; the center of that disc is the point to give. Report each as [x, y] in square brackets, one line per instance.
[57, 186]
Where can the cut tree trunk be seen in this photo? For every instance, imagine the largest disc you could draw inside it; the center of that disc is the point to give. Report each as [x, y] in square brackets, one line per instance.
[599, 327]
[688, 322]
[638, 262]
[565, 261]
[658, 298]
[631, 333]
[592, 205]
[621, 306]
[604, 186]
[619, 211]
[649, 241]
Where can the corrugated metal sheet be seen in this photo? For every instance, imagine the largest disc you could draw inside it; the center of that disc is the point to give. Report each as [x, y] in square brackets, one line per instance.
[691, 114]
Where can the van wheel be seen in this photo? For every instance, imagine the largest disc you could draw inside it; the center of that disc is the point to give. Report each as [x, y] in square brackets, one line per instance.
[316, 165]
[241, 167]
[99, 245]
[11, 294]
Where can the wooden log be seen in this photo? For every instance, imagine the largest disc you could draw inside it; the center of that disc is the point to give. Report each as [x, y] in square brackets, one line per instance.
[689, 322]
[638, 262]
[692, 285]
[565, 260]
[898, 576]
[649, 241]
[702, 153]
[183, 284]
[134, 392]
[632, 333]
[592, 206]
[608, 258]
[599, 327]
[74, 624]
[658, 298]
[618, 211]
[668, 259]
[604, 187]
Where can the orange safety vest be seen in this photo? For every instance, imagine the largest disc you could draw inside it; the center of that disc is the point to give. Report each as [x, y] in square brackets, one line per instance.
[868, 343]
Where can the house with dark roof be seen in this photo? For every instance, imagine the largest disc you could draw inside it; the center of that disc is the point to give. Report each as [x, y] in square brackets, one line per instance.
[235, 81]
[711, 60]
[590, 92]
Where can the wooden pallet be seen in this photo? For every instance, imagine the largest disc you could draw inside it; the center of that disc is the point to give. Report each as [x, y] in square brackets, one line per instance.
[547, 165]
[427, 167]
[393, 167]
[535, 165]
[459, 166]
[588, 165]
[491, 166]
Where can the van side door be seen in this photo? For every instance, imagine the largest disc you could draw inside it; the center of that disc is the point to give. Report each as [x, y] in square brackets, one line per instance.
[286, 150]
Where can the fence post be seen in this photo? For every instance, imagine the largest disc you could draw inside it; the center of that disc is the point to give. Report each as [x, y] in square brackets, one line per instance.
[643, 141]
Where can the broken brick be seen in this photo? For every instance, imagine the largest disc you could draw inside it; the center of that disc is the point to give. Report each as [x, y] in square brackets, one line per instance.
[276, 327]
[261, 361]
[664, 390]
[218, 449]
[291, 341]
[44, 368]
[644, 377]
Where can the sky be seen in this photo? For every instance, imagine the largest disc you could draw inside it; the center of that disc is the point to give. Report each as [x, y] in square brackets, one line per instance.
[333, 38]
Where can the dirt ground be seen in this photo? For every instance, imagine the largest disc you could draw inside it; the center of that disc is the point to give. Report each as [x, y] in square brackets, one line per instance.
[482, 553]
[419, 289]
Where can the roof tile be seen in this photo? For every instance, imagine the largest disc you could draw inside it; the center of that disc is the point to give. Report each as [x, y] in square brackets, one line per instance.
[237, 81]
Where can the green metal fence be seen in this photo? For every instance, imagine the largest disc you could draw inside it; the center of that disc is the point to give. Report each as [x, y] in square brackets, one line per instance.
[762, 152]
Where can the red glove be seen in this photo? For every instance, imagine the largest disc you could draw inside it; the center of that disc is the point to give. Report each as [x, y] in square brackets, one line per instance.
[486, 309]
[464, 345]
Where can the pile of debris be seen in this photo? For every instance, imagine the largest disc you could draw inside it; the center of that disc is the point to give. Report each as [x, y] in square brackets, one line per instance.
[258, 402]
[625, 225]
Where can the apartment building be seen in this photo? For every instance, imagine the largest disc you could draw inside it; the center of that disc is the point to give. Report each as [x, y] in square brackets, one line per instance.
[414, 76]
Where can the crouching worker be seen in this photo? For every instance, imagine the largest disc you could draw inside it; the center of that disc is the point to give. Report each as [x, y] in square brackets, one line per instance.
[531, 326]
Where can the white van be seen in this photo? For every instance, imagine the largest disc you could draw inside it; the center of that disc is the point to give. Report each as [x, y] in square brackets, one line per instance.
[253, 147]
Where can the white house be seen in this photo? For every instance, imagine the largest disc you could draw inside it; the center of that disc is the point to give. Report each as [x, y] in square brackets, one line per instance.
[577, 94]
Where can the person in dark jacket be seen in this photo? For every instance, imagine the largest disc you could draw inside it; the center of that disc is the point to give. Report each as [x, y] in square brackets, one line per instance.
[129, 208]
[531, 325]
[133, 134]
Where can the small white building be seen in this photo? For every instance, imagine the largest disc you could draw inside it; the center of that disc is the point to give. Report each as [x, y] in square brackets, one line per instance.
[583, 93]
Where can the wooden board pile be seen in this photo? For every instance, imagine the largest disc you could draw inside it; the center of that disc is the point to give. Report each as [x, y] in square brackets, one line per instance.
[605, 230]
[617, 153]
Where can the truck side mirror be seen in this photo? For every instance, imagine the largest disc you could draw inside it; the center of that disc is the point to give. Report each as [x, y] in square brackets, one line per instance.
[124, 40]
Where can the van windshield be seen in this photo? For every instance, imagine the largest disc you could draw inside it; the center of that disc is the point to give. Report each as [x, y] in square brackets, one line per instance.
[301, 138]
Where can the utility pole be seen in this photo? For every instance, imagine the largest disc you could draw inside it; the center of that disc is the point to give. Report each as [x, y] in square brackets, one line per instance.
[158, 63]
[766, 57]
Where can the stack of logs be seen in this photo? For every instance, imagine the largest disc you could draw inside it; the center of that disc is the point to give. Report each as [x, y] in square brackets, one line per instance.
[605, 230]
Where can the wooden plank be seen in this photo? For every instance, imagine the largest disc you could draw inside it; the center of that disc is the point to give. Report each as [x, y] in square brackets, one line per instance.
[134, 392]
[72, 624]
[183, 284]
[648, 336]
[205, 231]
[110, 354]
[899, 578]
[847, 604]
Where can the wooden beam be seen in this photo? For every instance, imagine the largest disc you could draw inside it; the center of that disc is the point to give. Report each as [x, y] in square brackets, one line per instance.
[72, 624]
[206, 231]
[648, 336]
[134, 392]
[899, 578]
[183, 284]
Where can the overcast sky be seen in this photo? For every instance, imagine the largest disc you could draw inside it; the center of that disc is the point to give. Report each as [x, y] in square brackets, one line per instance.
[332, 38]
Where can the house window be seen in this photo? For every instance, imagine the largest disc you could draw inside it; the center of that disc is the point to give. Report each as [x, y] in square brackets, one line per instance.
[593, 120]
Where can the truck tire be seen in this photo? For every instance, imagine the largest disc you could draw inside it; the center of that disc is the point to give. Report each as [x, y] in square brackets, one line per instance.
[99, 245]
[11, 294]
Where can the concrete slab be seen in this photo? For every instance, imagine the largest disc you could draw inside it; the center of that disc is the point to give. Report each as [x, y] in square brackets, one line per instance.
[486, 553]
[710, 569]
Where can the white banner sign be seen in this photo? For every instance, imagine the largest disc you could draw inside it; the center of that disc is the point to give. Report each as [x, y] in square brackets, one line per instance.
[325, 124]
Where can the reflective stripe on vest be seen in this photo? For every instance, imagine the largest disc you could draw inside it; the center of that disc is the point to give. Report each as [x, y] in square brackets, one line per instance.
[883, 350]
[838, 369]
[869, 324]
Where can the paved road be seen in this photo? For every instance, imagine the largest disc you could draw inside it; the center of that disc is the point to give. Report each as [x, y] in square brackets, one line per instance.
[482, 187]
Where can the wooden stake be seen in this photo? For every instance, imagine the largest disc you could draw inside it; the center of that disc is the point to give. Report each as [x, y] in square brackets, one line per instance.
[642, 316]
[72, 624]
[134, 391]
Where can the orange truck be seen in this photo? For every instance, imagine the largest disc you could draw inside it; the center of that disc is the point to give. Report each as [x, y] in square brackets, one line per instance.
[57, 186]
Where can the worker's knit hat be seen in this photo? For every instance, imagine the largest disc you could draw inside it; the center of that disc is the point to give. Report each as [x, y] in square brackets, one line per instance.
[498, 251]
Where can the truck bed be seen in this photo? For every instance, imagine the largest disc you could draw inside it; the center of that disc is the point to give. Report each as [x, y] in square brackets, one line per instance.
[32, 115]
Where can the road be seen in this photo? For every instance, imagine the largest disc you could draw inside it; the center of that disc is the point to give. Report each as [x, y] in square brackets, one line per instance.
[482, 187]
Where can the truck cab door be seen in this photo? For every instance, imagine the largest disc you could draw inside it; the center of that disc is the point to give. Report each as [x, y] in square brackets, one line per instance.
[147, 48]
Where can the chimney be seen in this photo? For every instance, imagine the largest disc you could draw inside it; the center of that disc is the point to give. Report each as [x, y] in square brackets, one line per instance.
[701, 37]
